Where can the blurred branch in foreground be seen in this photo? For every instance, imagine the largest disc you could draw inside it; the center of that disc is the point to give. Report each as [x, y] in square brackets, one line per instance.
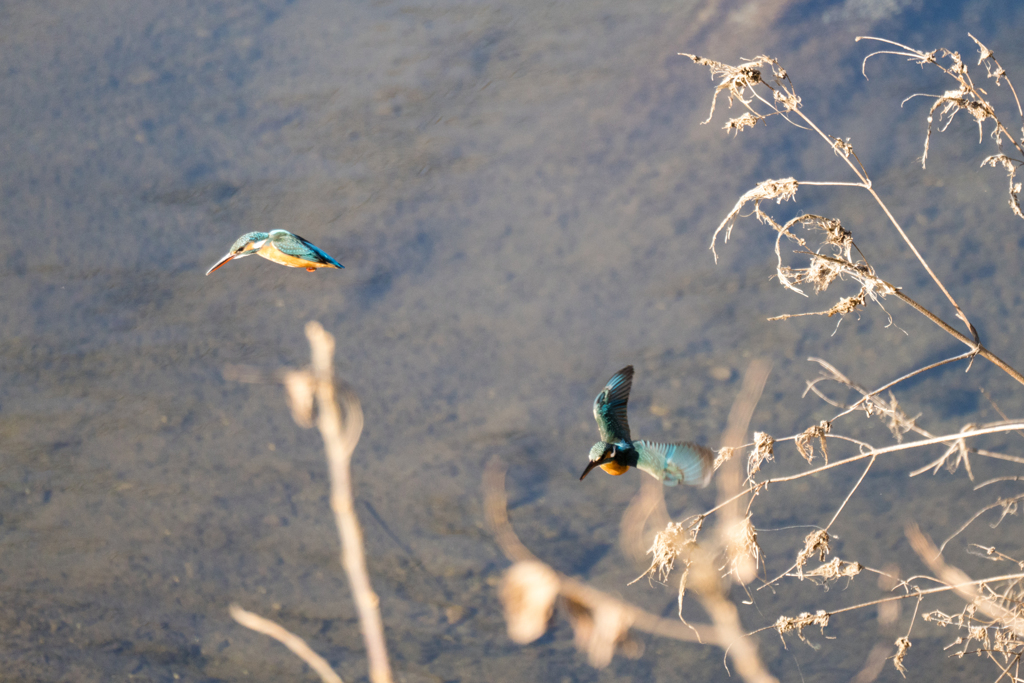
[530, 589]
[340, 421]
[601, 622]
[1002, 607]
[291, 641]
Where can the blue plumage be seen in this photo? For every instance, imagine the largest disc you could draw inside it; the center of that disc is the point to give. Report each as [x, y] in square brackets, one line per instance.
[670, 463]
[610, 407]
[279, 246]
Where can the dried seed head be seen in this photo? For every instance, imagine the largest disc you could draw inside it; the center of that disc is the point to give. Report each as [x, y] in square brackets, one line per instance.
[725, 454]
[803, 442]
[842, 147]
[602, 630]
[743, 551]
[739, 123]
[669, 544]
[764, 449]
[781, 189]
[902, 645]
[836, 569]
[816, 542]
[528, 593]
[798, 623]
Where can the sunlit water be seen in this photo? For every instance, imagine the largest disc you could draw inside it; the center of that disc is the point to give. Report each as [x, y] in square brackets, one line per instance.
[523, 198]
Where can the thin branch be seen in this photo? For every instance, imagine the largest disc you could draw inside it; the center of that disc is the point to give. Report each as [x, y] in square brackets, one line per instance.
[1002, 502]
[496, 513]
[962, 583]
[291, 641]
[828, 526]
[959, 586]
[829, 183]
[340, 437]
[861, 456]
[868, 395]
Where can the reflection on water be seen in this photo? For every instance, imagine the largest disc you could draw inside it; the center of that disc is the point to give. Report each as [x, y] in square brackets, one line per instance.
[523, 200]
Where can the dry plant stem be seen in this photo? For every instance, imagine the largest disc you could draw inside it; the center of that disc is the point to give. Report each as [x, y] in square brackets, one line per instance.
[850, 494]
[735, 430]
[646, 508]
[862, 456]
[709, 587]
[921, 58]
[990, 55]
[873, 665]
[938, 283]
[859, 171]
[866, 394]
[829, 525]
[961, 583]
[965, 585]
[974, 344]
[999, 456]
[1002, 502]
[1012, 661]
[340, 439]
[837, 376]
[496, 512]
[893, 449]
[291, 641]
[743, 649]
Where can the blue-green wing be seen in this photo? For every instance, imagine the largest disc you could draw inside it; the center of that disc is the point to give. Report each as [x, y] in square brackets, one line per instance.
[610, 407]
[688, 463]
[299, 247]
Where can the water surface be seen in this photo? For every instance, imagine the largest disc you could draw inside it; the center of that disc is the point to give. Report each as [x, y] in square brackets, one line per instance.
[523, 197]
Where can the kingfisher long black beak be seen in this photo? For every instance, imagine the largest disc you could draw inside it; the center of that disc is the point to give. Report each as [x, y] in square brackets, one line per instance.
[607, 457]
[218, 264]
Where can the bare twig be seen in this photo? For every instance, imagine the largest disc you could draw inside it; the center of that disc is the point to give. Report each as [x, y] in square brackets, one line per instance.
[340, 420]
[291, 641]
[741, 82]
[735, 543]
[962, 584]
[861, 456]
[601, 622]
[340, 437]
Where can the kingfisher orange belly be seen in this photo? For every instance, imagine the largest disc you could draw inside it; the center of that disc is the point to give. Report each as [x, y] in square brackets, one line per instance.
[616, 452]
[279, 246]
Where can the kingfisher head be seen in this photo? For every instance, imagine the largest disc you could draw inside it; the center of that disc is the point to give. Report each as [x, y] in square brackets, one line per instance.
[609, 457]
[249, 243]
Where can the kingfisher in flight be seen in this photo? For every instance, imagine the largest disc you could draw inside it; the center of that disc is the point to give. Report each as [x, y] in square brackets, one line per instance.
[279, 246]
[616, 452]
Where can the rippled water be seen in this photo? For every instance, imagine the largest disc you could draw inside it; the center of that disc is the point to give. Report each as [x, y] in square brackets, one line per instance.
[523, 197]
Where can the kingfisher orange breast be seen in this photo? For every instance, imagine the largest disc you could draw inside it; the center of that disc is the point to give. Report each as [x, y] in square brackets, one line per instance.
[272, 253]
[614, 468]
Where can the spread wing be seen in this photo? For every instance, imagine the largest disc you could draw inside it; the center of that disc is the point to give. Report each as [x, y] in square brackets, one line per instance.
[610, 407]
[688, 463]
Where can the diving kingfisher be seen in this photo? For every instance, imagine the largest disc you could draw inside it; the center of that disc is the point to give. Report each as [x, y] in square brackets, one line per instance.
[670, 463]
[279, 246]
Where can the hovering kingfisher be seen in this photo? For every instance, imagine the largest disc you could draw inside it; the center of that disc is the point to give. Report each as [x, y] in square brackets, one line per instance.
[279, 246]
[670, 463]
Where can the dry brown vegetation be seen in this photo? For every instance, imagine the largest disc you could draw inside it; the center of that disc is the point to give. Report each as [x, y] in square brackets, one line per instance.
[708, 558]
